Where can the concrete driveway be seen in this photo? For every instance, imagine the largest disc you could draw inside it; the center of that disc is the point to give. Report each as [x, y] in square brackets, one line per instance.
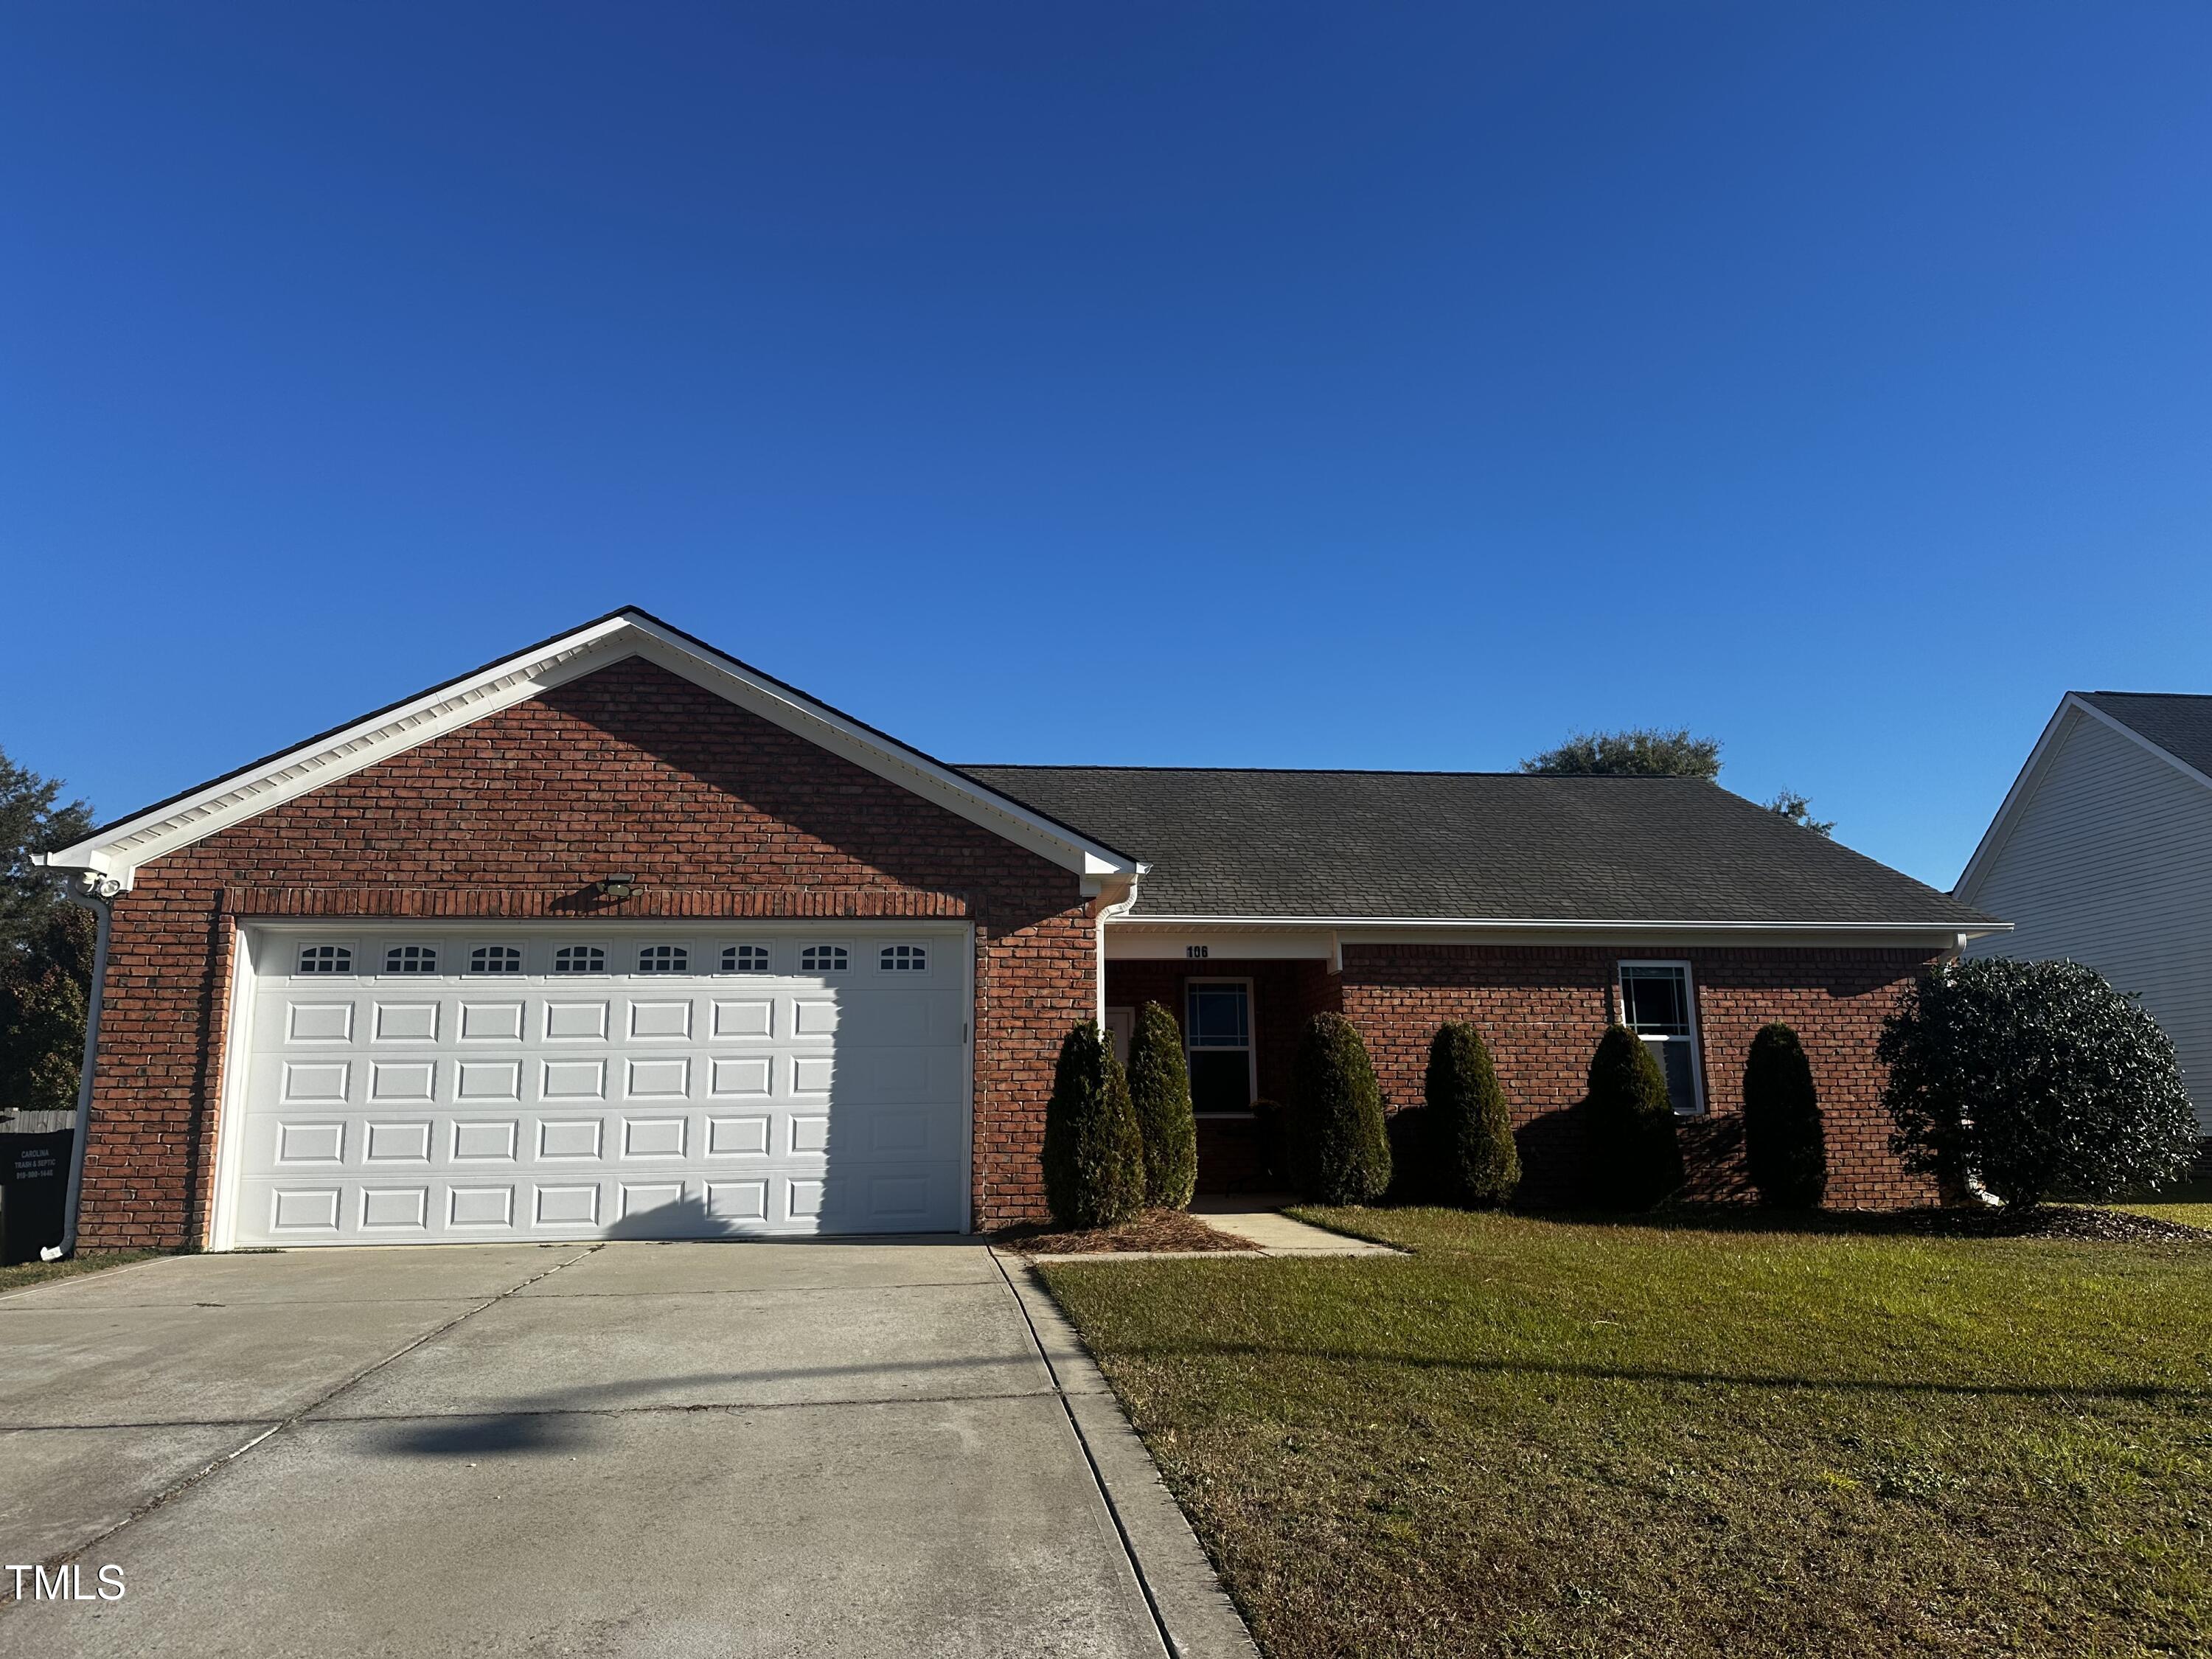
[621, 1448]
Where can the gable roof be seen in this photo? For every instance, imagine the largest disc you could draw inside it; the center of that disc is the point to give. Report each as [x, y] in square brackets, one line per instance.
[2174, 726]
[118, 850]
[1473, 847]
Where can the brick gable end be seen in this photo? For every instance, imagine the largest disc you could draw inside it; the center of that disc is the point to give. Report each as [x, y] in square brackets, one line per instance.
[717, 811]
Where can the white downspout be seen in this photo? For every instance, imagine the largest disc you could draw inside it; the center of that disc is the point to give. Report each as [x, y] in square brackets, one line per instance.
[94, 895]
[1121, 907]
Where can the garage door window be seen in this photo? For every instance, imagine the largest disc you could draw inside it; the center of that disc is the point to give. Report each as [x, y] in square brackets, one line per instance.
[325, 959]
[904, 959]
[744, 959]
[495, 959]
[825, 959]
[664, 959]
[411, 959]
[580, 959]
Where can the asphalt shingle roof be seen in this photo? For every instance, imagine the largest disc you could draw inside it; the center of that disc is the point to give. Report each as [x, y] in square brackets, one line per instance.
[1467, 845]
[2178, 722]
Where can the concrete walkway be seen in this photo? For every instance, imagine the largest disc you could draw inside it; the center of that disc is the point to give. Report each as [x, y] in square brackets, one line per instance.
[835, 1448]
[1260, 1221]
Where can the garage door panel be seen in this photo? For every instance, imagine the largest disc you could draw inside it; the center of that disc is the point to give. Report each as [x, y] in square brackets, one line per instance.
[433, 1107]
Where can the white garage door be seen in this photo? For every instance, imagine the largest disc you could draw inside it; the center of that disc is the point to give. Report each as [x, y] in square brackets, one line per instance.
[547, 1082]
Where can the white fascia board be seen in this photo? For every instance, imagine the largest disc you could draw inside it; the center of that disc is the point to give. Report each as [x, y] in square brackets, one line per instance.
[119, 849]
[2031, 774]
[1143, 937]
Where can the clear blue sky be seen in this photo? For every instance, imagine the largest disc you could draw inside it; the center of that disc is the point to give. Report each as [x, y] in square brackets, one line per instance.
[1265, 384]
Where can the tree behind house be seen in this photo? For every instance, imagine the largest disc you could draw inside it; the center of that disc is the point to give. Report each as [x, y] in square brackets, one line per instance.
[30, 822]
[1642, 751]
[45, 948]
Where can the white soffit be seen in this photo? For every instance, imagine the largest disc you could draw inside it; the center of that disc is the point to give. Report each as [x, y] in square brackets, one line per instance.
[117, 850]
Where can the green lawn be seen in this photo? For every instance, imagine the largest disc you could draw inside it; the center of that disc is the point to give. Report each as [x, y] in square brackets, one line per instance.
[1544, 1438]
[24, 1274]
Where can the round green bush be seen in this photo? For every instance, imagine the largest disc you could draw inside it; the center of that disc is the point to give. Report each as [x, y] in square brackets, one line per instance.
[1472, 1129]
[1785, 1151]
[1159, 1089]
[2034, 1079]
[1634, 1158]
[1339, 1151]
[1093, 1158]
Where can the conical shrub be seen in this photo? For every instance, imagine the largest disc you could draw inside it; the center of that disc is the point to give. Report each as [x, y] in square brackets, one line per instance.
[1094, 1160]
[1339, 1151]
[1634, 1159]
[1785, 1151]
[1159, 1089]
[1472, 1129]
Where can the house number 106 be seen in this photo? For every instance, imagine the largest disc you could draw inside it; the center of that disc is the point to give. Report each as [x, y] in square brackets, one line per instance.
[1195, 953]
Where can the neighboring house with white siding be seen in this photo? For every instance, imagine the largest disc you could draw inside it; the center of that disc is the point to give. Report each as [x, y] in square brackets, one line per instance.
[2102, 854]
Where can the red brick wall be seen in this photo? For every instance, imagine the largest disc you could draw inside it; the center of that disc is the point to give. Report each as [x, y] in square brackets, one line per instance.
[720, 813]
[1542, 1010]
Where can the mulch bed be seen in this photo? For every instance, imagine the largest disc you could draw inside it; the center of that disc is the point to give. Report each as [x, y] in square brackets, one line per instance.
[1152, 1231]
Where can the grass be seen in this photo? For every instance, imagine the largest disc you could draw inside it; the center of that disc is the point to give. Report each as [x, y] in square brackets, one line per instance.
[24, 1274]
[1546, 1437]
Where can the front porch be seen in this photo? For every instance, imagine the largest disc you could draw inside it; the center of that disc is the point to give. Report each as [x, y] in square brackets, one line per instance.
[1241, 1018]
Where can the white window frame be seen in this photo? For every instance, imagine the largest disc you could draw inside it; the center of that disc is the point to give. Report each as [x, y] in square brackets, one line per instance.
[1251, 1037]
[1689, 1006]
[732, 955]
[845, 946]
[511, 966]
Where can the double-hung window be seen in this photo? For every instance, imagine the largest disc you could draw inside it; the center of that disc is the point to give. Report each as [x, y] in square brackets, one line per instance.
[1217, 1032]
[1657, 1004]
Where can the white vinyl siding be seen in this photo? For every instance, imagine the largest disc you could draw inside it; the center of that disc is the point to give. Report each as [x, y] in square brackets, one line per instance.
[2108, 862]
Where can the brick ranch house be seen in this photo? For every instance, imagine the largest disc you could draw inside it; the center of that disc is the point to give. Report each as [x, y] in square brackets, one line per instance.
[618, 937]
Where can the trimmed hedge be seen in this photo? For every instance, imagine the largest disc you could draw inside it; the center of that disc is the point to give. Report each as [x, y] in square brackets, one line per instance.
[1094, 1158]
[1159, 1089]
[1340, 1150]
[1785, 1152]
[1472, 1129]
[1634, 1159]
